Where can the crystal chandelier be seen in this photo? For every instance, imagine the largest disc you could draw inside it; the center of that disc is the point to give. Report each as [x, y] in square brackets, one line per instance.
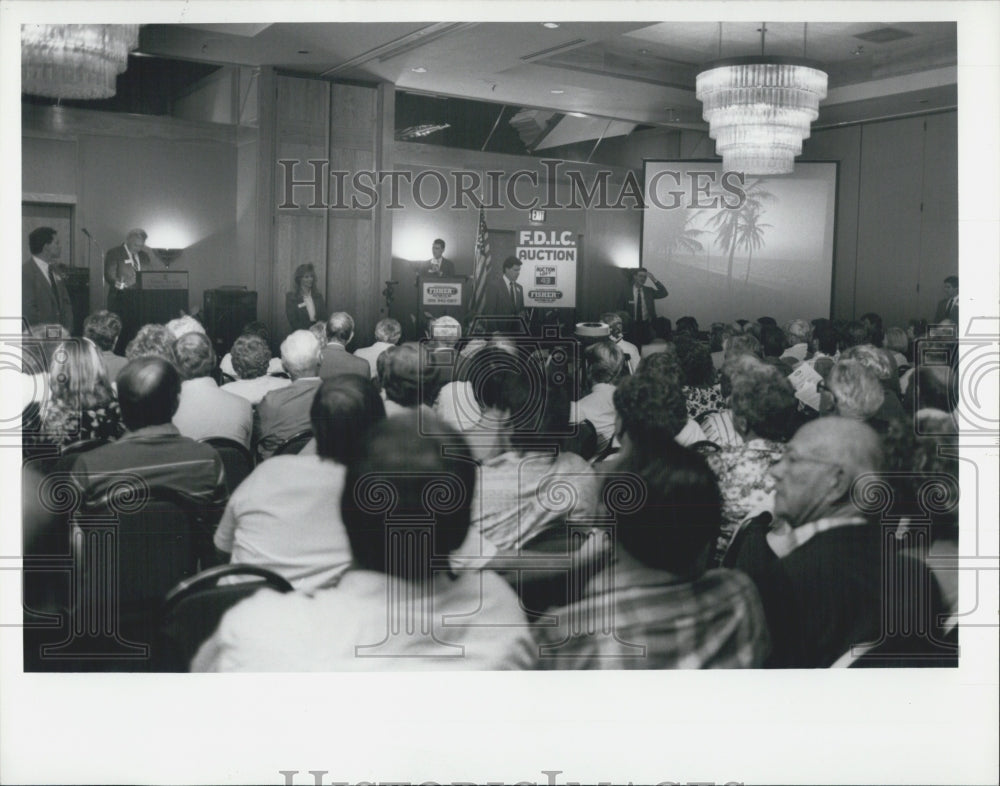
[759, 109]
[74, 61]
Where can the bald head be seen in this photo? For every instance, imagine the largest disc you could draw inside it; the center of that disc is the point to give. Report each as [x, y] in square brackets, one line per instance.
[148, 392]
[300, 354]
[848, 443]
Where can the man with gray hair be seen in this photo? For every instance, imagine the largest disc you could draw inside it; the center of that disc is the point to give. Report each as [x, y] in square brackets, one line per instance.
[204, 410]
[819, 564]
[285, 412]
[335, 358]
[856, 391]
[388, 332]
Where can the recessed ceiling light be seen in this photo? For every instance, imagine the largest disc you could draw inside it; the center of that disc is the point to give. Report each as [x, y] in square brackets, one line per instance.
[419, 70]
[576, 114]
[303, 51]
[550, 25]
[557, 92]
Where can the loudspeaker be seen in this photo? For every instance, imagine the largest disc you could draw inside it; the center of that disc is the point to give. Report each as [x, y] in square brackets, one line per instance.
[226, 312]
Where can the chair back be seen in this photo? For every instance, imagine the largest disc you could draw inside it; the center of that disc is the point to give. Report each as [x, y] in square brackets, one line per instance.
[236, 459]
[193, 609]
[294, 443]
[82, 446]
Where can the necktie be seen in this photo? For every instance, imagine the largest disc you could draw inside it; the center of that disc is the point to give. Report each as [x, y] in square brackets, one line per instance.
[639, 316]
[513, 295]
[55, 293]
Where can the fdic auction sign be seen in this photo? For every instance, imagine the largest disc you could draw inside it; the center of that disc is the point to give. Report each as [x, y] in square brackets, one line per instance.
[548, 267]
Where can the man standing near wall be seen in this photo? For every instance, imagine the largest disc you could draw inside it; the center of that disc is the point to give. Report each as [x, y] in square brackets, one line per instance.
[44, 298]
[639, 302]
[947, 309]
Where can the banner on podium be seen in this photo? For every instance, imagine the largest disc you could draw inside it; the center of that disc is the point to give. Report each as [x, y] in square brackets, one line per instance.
[441, 292]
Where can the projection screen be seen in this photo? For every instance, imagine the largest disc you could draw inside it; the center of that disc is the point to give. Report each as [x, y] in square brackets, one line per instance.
[730, 246]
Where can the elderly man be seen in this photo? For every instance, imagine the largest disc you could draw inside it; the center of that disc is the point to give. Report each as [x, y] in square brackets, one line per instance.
[122, 264]
[615, 327]
[335, 357]
[205, 410]
[819, 566]
[605, 362]
[285, 412]
[388, 332]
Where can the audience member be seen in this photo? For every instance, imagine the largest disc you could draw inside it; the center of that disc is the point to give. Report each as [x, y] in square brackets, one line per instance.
[662, 333]
[820, 569]
[763, 407]
[255, 329]
[183, 325]
[251, 361]
[387, 334]
[407, 382]
[517, 498]
[701, 391]
[318, 329]
[152, 341]
[205, 410]
[81, 403]
[687, 326]
[898, 344]
[285, 516]
[798, 335]
[103, 328]
[857, 393]
[664, 609]
[283, 413]
[344, 628]
[741, 344]
[616, 333]
[873, 328]
[335, 358]
[650, 408]
[604, 368]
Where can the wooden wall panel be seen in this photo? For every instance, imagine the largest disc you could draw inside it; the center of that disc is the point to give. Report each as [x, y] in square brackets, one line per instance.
[939, 216]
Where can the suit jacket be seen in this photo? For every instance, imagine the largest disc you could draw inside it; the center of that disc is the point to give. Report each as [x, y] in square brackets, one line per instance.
[39, 304]
[206, 411]
[284, 412]
[298, 314]
[496, 298]
[337, 360]
[447, 268]
[650, 296]
[116, 268]
[942, 311]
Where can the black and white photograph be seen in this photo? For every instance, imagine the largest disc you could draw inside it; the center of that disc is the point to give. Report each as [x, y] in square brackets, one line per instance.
[369, 353]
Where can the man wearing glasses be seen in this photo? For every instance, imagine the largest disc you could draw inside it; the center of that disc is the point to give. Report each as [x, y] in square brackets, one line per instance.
[819, 565]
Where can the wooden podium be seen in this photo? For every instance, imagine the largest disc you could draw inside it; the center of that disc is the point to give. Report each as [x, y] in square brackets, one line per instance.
[158, 296]
[438, 296]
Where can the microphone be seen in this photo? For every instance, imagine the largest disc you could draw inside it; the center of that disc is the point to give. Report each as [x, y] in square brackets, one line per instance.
[84, 230]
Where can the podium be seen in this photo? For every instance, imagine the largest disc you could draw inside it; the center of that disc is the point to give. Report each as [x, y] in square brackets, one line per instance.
[439, 296]
[158, 296]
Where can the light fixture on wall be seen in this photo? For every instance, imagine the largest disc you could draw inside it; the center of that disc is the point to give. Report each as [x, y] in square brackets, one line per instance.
[167, 255]
[74, 61]
[759, 108]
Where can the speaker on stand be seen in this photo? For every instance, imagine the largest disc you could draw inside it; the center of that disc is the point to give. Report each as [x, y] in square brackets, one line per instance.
[227, 310]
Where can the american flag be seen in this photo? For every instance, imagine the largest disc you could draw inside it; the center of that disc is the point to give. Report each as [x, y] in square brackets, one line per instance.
[481, 267]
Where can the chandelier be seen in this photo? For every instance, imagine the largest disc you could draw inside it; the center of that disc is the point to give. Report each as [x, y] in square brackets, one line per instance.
[74, 61]
[759, 109]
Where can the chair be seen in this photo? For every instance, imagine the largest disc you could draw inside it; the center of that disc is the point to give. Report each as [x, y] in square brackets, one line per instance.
[294, 443]
[236, 458]
[193, 608]
[82, 446]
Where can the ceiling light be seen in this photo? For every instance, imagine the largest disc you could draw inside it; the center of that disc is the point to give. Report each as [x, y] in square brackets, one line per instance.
[576, 114]
[75, 61]
[557, 92]
[303, 52]
[759, 109]
[419, 70]
[550, 25]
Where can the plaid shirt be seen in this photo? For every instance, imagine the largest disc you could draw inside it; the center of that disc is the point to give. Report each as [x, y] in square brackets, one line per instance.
[650, 619]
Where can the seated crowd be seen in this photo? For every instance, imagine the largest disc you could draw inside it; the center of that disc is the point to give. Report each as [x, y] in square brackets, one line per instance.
[709, 500]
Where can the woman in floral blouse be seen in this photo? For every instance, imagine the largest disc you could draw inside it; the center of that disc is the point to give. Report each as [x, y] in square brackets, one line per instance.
[701, 391]
[763, 406]
[81, 403]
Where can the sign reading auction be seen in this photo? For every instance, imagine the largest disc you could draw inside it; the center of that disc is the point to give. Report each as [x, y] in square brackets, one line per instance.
[548, 267]
[441, 293]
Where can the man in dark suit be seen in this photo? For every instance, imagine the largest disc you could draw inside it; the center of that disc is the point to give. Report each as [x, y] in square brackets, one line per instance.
[437, 265]
[335, 358]
[503, 295]
[44, 298]
[121, 263]
[948, 307]
[284, 412]
[639, 302]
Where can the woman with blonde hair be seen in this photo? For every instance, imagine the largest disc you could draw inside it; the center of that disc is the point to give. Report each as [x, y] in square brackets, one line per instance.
[82, 404]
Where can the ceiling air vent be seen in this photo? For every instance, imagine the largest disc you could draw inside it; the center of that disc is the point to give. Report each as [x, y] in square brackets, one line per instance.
[554, 49]
[884, 35]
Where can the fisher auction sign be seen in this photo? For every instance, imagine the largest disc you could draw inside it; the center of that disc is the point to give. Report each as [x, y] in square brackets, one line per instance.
[441, 294]
[548, 267]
